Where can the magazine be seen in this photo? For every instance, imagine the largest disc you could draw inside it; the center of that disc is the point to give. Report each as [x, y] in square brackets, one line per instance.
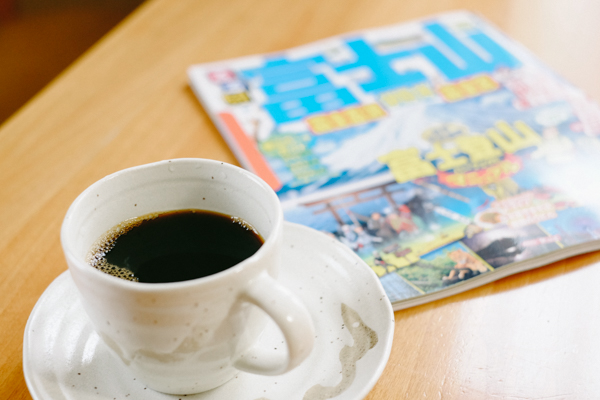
[441, 151]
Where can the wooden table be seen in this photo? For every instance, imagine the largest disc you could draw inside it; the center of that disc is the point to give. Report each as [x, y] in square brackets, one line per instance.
[126, 102]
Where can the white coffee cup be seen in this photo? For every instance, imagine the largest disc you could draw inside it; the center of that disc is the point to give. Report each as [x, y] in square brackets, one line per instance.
[190, 336]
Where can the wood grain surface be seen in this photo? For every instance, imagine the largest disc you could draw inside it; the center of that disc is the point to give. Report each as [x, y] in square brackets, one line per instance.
[127, 102]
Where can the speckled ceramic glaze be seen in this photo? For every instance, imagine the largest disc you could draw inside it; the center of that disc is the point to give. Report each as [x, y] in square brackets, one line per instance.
[190, 336]
[64, 358]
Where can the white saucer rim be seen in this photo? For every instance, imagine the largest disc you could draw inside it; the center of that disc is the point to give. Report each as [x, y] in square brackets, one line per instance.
[386, 335]
[366, 389]
[27, 370]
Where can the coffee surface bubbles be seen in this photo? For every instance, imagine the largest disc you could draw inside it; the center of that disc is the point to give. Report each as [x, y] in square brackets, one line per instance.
[174, 246]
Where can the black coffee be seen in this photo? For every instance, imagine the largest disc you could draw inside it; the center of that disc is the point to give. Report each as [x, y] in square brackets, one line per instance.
[174, 246]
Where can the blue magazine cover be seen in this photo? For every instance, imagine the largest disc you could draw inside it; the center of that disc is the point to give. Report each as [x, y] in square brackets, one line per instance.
[442, 152]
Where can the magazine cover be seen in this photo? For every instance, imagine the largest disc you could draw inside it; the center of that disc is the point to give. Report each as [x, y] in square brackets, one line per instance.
[439, 150]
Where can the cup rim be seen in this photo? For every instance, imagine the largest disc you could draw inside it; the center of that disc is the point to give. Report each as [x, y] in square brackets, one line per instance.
[84, 267]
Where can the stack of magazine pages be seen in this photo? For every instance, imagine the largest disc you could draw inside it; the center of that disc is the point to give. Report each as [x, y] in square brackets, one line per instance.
[441, 151]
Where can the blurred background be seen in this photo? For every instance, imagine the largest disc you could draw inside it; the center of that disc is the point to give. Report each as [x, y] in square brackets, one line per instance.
[40, 38]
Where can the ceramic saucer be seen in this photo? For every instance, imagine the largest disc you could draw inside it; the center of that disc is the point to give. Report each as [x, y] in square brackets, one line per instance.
[63, 357]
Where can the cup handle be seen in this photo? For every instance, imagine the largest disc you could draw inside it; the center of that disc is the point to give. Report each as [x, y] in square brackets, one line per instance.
[293, 320]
